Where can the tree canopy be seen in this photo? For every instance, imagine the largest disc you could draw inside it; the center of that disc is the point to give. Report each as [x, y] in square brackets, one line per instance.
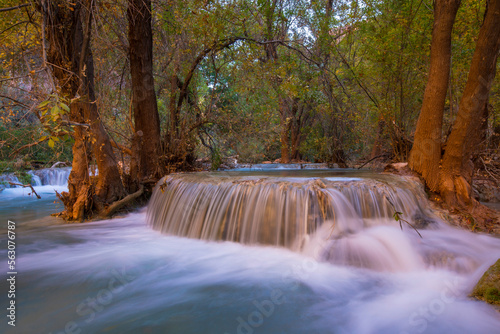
[322, 81]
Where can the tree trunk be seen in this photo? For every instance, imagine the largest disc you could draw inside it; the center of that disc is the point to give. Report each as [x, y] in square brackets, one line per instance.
[456, 172]
[377, 145]
[285, 132]
[146, 117]
[69, 32]
[426, 152]
[295, 139]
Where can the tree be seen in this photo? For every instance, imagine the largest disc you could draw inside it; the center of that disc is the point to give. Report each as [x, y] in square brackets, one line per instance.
[68, 30]
[453, 178]
[146, 143]
[426, 152]
[456, 172]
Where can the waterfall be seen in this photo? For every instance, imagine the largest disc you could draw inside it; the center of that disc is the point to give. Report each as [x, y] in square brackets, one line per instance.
[345, 218]
[50, 176]
[6, 178]
[338, 262]
[276, 210]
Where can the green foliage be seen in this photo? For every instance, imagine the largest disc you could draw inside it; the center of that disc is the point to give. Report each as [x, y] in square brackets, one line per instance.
[488, 287]
[359, 72]
[13, 139]
[54, 119]
[23, 177]
[492, 295]
[398, 216]
[215, 159]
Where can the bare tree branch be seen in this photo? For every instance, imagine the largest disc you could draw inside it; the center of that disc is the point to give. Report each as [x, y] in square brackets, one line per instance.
[25, 186]
[14, 8]
[14, 100]
[13, 26]
[27, 146]
[22, 76]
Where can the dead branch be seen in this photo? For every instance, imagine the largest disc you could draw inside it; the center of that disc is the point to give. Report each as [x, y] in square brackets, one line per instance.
[13, 26]
[28, 146]
[25, 186]
[59, 163]
[378, 156]
[22, 76]
[14, 100]
[122, 148]
[14, 8]
[489, 172]
[121, 203]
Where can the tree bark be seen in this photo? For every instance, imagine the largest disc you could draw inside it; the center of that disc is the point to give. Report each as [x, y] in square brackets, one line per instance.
[285, 132]
[426, 152]
[456, 172]
[146, 117]
[69, 33]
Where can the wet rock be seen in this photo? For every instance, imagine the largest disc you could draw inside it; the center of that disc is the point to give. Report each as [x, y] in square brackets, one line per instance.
[488, 287]
[396, 167]
[231, 162]
[421, 221]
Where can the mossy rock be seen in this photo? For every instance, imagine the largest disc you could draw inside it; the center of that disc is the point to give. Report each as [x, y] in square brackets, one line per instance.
[488, 287]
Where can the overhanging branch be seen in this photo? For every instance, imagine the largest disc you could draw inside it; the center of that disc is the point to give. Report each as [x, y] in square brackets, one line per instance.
[14, 8]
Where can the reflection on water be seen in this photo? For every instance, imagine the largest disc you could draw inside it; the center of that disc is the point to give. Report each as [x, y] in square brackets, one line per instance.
[120, 276]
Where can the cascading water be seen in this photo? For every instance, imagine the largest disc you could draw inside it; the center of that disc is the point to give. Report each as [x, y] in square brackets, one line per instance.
[40, 177]
[51, 176]
[352, 269]
[343, 218]
[276, 208]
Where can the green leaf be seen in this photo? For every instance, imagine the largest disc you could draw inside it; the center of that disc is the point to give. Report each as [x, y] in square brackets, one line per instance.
[64, 106]
[43, 104]
[55, 110]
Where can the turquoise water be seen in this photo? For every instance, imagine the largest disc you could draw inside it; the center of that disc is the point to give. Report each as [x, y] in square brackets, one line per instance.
[120, 276]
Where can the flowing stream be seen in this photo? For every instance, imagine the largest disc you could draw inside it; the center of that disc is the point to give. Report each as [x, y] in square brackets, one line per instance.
[273, 251]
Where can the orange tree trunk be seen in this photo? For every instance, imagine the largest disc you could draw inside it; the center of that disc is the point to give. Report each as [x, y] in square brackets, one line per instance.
[68, 32]
[456, 171]
[426, 151]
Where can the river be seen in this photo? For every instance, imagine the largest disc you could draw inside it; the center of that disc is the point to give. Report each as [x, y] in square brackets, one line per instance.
[122, 276]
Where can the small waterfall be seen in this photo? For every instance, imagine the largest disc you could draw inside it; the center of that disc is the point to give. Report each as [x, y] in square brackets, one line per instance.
[343, 219]
[273, 210]
[35, 180]
[51, 176]
[6, 178]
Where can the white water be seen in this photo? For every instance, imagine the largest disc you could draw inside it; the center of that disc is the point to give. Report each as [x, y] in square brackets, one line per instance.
[40, 177]
[51, 176]
[119, 276]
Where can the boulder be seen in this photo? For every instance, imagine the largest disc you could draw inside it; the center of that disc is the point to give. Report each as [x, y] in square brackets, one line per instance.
[488, 287]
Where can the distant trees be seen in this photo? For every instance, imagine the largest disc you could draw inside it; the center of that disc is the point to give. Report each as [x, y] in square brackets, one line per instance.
[153, 85]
